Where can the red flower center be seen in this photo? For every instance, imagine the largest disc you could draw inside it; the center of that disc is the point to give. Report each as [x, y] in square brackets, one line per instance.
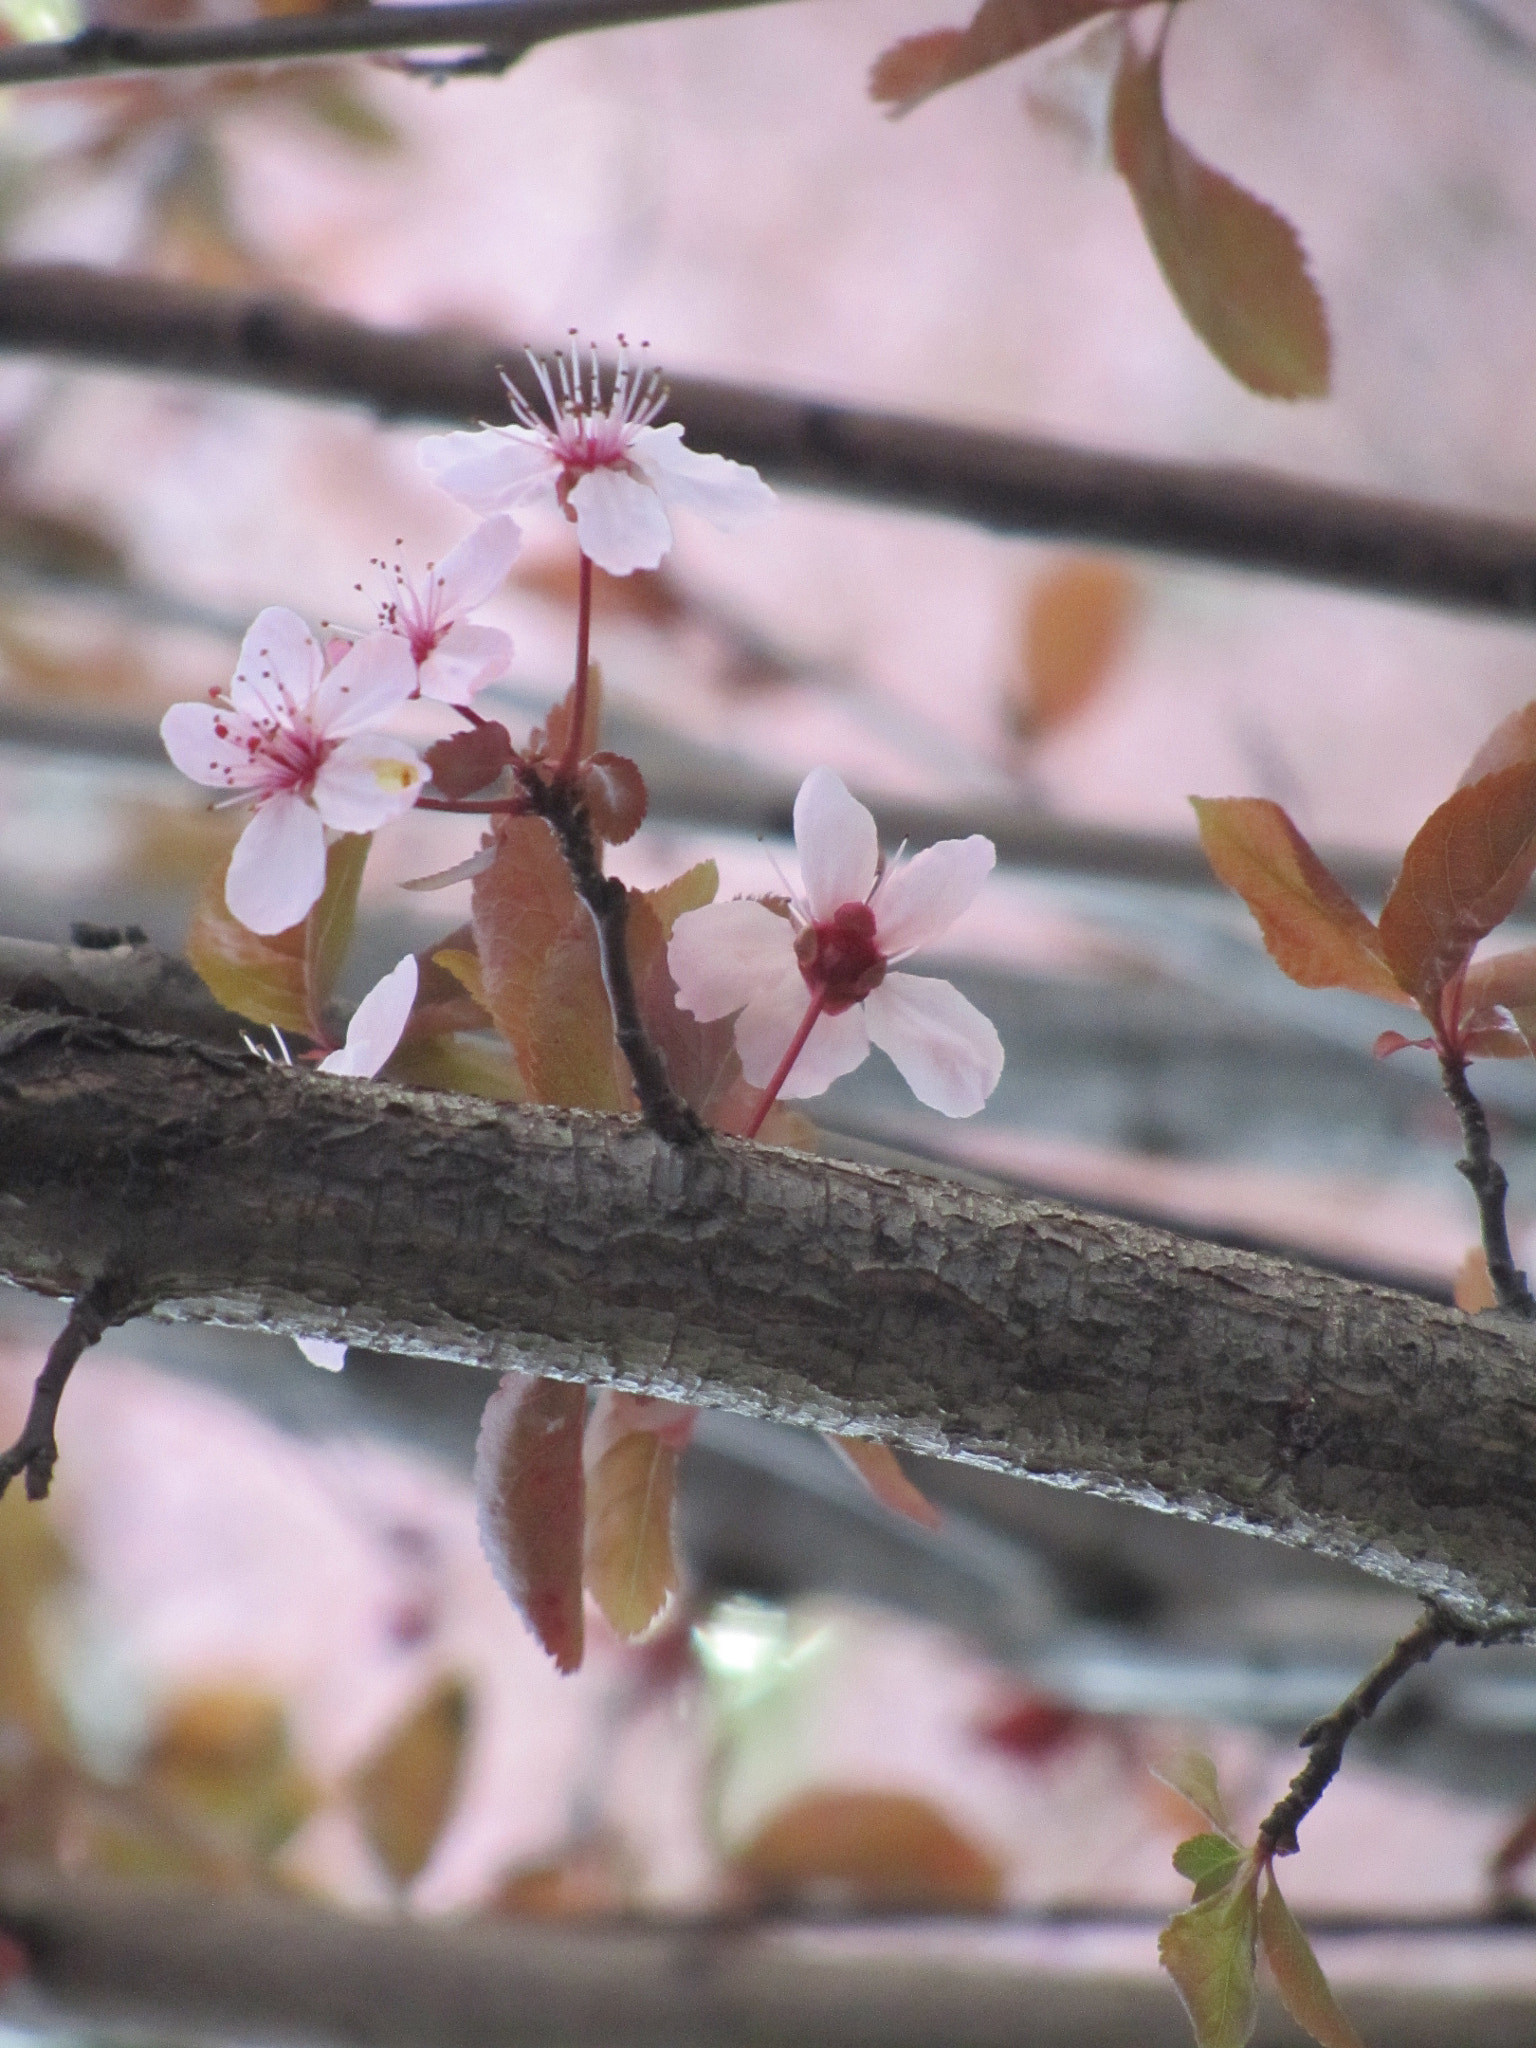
[839, 959]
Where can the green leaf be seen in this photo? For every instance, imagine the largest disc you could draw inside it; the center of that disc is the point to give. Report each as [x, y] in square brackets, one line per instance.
[1298, 1978]
[457, 1066]
[1235, 266]
[286, 978]
[1209, 1951]
[1193, 1776]
[1208, 1861]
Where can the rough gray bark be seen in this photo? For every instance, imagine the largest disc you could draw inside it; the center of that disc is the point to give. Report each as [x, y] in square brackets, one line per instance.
[1226, 1386]
[1240, 516]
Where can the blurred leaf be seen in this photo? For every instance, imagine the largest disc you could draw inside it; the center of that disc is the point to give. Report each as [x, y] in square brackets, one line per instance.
[33, 1562]
[529, 1497]
[224, 1754]
[1302, 1986]
[174, 845]
[1210, 1862]
[13, 1961]
[919, 66]
[61, 544]
[876, 1464]
[882, 1850]
[1463, 874]
[1313, 929]
[405, 1792]
[1234, 265]
[629, 1566]
[268, 979]
[650, 597]
[41, 21]
[594, 1877]
[1209, 1951]
[1516, 1848]
[331, 98]
[1077, 618]
[614, 792]
[1192, 1775]
[65, 669]
[457, 1066]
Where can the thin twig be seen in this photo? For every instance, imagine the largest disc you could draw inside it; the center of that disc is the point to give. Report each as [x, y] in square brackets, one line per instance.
[559, 804]
[36, 1451]
[505, 29]
[1489, 1184]
[1325, 1739]
[1240, 517]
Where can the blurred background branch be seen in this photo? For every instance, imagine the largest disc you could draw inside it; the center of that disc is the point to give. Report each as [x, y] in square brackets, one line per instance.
[1236, 516]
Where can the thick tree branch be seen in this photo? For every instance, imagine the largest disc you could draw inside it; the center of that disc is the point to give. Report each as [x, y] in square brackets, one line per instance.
[504, 29]
[1224, 1385]
[1240, 517]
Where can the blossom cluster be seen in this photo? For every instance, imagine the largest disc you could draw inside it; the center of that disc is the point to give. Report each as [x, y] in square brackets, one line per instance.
[301, 735]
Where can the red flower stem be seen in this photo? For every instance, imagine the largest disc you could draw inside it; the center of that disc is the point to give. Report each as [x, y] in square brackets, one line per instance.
[782, 1071]
[572, 755]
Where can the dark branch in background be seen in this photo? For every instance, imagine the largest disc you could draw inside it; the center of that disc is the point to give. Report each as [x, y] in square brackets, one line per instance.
[1512, 45]
[1489, 1184]
[1126, 1361]
[1237, 517]
[109, 1955]
[1325, 1739]
[559, 805]
[35, 1452]
[504, 30]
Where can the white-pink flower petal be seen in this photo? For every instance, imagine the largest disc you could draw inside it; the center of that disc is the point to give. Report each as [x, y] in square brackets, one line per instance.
[946, 1051]
[493, 469]
[377, 1024]
[767, 1026]
[837, 843]
[213, 745]
[367, 781]
[279, 669]
[464, 661]
[920, 899]
[620, 522]
[277, 869]
[724, 954]
[477, 566]
[367, 684]
[728, 494]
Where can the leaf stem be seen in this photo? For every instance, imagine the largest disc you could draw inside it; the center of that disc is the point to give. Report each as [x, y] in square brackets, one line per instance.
[571, 758]
[781, 1073]
[1488, 1183]
[1325, 1739]
[35, 1452]
[560, 805]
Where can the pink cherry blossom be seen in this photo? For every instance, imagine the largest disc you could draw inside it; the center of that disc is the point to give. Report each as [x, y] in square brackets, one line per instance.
[289, 734]
[825, 970]
[454, 658]
[606, 466]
